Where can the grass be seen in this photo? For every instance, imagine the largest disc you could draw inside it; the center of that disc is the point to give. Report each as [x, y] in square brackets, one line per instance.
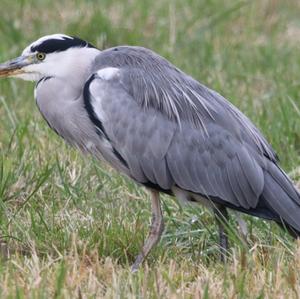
[70, 226]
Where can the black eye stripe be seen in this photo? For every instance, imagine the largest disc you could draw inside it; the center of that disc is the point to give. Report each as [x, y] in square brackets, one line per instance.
[58, 45]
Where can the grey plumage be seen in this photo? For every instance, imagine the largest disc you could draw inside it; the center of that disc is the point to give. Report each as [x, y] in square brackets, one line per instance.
[229, 159]
[162, 128]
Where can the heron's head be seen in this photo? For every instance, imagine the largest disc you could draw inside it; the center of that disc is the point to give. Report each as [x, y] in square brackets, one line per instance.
[56, 55]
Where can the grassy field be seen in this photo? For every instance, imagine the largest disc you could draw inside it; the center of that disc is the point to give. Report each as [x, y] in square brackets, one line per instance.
[70, 226]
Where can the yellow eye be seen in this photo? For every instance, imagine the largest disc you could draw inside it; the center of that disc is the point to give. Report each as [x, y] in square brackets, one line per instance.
[40, 56]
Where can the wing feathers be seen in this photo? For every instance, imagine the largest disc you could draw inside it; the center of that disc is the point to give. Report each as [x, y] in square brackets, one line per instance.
[159, 151]
[171, 130]
[281, 178]
[252, 171]
[232, 174]
[281, 202]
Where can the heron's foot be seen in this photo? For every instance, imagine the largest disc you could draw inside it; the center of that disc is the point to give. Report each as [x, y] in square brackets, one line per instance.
[156, 230]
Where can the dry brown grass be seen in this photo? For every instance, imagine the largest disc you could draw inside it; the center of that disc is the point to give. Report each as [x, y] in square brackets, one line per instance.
[75, 233]
[262, 274]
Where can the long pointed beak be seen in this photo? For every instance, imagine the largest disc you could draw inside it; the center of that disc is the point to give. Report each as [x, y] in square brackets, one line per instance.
[15, 66]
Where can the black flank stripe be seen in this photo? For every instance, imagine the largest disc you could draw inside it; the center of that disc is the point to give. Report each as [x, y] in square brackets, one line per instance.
[96, 121]
[118, 155]
[157, 187]
[89, 108]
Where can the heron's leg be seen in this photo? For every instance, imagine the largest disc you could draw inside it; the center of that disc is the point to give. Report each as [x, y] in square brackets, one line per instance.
[221, 216]
[156, 230]
[242, 227]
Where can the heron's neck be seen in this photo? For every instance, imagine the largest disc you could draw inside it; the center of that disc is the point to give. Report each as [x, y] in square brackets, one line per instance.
[60, 96]
[75, 68]
[62, 107]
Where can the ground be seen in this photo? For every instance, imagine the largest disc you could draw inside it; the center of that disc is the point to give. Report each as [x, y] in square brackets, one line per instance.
[70, 226]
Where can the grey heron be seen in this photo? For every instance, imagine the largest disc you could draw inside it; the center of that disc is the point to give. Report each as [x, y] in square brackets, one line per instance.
[166, 131]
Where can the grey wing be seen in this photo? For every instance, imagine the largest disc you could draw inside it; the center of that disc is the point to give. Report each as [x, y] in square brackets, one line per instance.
[154, 82]
[161, 152]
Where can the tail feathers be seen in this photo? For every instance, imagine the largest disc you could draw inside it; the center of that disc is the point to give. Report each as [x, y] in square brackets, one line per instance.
[283, 198]
[284, 181]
